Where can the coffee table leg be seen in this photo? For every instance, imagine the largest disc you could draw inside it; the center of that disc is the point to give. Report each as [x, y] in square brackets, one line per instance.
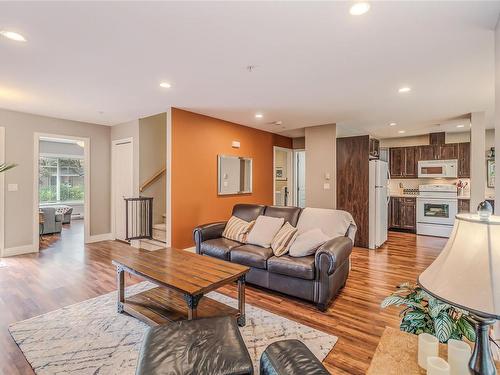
[241, 301]
[120, 279]
[192, 304]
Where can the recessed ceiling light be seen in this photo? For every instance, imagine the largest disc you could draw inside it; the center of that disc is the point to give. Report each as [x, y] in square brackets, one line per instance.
[13, 35]
[165, 85]
[359, 8]
[392, 124]
[404, 89]
[460, 126]
[259, 115]
[401, 131]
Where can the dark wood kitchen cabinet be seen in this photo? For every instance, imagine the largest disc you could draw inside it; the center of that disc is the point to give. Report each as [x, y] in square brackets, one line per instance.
[463, 206]
[403, 213]
[447, 151]
[403, 162]
[463, 156]
[426, 152]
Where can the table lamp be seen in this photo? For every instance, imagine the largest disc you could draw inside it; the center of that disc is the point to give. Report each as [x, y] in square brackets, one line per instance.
[467, 275]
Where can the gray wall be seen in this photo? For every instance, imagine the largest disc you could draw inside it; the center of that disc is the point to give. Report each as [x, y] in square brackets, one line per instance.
[321, 145]
[19, 139]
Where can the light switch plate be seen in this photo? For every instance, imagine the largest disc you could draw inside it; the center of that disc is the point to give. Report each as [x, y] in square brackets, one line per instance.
[12, 187]
[326, 186]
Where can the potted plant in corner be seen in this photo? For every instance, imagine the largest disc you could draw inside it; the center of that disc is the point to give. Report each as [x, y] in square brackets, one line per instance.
[424, 313]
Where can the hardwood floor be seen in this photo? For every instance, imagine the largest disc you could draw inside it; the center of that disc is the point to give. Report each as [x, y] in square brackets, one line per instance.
[68, 272]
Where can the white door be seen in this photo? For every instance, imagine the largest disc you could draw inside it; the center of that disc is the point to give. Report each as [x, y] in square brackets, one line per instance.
[123, 183]
[283, 176]
[300, 163]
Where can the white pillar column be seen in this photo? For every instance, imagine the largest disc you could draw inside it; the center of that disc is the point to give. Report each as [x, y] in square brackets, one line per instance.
[477, 160]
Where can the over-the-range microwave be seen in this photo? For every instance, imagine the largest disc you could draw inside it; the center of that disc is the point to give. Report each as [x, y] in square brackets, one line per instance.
[437, 168]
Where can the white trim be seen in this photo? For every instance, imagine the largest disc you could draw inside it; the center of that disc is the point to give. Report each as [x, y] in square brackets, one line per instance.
[86, 178]
[295, 180]
[19, 250]
[71, 156]
[114, 143]
[100, 237]
[290, 171]
[168, 219]
[2, 193]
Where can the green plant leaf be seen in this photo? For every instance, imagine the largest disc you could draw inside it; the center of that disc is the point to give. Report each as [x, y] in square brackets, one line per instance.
[436, 308]
[392, 300]
[466, 329]
[414, 315]
[443, 325]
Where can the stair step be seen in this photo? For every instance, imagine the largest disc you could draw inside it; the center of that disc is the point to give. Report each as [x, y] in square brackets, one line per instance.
[160, 226]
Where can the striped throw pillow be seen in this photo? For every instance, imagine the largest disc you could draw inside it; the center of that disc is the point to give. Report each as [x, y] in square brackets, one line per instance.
[237, 229]
[283, 240]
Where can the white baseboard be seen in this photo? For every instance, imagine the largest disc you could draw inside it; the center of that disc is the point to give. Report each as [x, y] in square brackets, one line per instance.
[100, 237]
[18, 250]
[190, 249]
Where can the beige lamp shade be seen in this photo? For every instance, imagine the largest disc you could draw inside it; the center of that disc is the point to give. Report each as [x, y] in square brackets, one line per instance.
[467, 272]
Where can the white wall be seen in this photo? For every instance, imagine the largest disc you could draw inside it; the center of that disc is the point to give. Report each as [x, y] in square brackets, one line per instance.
[321, 147]
[19, 133]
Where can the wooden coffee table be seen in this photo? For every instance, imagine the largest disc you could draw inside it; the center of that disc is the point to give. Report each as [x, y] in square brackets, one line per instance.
[182, 278]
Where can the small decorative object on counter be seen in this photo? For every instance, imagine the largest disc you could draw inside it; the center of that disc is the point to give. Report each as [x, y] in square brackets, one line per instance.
[459, 353]
[437, 366]
[428, 346]
[484, 210]
[461, 185]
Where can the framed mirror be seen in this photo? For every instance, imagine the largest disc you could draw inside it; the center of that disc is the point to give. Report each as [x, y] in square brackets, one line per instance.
[234, 175]
[490, 169]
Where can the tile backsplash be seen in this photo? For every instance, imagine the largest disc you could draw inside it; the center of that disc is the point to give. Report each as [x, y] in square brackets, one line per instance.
[396, 185]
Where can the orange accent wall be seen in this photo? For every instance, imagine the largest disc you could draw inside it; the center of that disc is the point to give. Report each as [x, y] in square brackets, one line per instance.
[196, 142]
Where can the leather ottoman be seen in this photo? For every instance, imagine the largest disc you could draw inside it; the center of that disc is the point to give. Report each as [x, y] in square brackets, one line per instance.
[290, 357]
[205, 346]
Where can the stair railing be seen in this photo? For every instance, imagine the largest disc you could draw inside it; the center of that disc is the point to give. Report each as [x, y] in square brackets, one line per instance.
[139, 218]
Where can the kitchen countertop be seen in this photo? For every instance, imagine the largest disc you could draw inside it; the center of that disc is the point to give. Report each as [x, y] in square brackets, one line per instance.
[465, 197]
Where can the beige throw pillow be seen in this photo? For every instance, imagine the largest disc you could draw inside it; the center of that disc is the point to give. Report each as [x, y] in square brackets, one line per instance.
[306, 243]
[237, 229]
[264, 230]
[283, 240]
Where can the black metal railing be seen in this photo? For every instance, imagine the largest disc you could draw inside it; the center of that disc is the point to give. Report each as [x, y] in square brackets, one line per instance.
[139, 218]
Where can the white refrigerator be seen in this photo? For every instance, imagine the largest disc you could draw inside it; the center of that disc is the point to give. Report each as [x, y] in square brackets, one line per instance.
[378, 202]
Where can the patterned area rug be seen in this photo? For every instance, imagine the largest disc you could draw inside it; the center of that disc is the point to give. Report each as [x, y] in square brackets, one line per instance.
[91, 338]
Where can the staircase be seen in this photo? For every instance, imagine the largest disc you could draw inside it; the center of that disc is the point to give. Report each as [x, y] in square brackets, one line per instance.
[160, 230]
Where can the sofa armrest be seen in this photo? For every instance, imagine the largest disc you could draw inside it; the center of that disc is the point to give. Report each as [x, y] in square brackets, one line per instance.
[332, 254]
[207, 232]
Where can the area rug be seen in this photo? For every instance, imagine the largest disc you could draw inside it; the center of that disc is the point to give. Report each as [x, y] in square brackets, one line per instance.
[91, 338]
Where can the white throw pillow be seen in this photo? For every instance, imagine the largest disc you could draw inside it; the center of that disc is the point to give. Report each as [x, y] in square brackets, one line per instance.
[307, 243]
[264, 230]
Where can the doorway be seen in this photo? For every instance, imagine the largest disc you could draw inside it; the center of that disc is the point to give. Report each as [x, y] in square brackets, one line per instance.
[122, 160]
[300, 178]
[283, 176]
[61, 189]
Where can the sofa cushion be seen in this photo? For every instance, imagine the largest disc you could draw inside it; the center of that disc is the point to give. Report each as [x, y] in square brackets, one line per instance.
[237, 229]
[248, 212]
[302, 268]
[283, 240]
[251, 256]
[290, 214]
[218, 247]
[264, 230]
[333, 223]
[307, 243]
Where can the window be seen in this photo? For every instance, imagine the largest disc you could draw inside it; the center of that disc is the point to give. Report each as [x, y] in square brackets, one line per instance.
[61, 179]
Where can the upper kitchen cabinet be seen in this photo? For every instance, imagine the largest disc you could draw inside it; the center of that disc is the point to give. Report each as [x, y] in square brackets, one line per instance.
[403, 162]
[463, 160]
[426, 152]
[447, 151]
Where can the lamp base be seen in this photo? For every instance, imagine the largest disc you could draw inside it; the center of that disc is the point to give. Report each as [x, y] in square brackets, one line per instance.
[481, 362]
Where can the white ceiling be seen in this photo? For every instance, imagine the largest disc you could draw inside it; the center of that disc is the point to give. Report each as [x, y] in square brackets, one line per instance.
[315, 63]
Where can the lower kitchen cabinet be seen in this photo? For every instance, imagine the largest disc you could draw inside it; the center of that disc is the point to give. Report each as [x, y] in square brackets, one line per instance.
[403, 213]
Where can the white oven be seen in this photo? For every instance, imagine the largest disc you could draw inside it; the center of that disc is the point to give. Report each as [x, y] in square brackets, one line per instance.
[437, 168]
[437, 206]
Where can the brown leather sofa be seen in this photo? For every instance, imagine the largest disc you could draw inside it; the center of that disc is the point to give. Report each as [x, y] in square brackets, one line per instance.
[316, 278]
